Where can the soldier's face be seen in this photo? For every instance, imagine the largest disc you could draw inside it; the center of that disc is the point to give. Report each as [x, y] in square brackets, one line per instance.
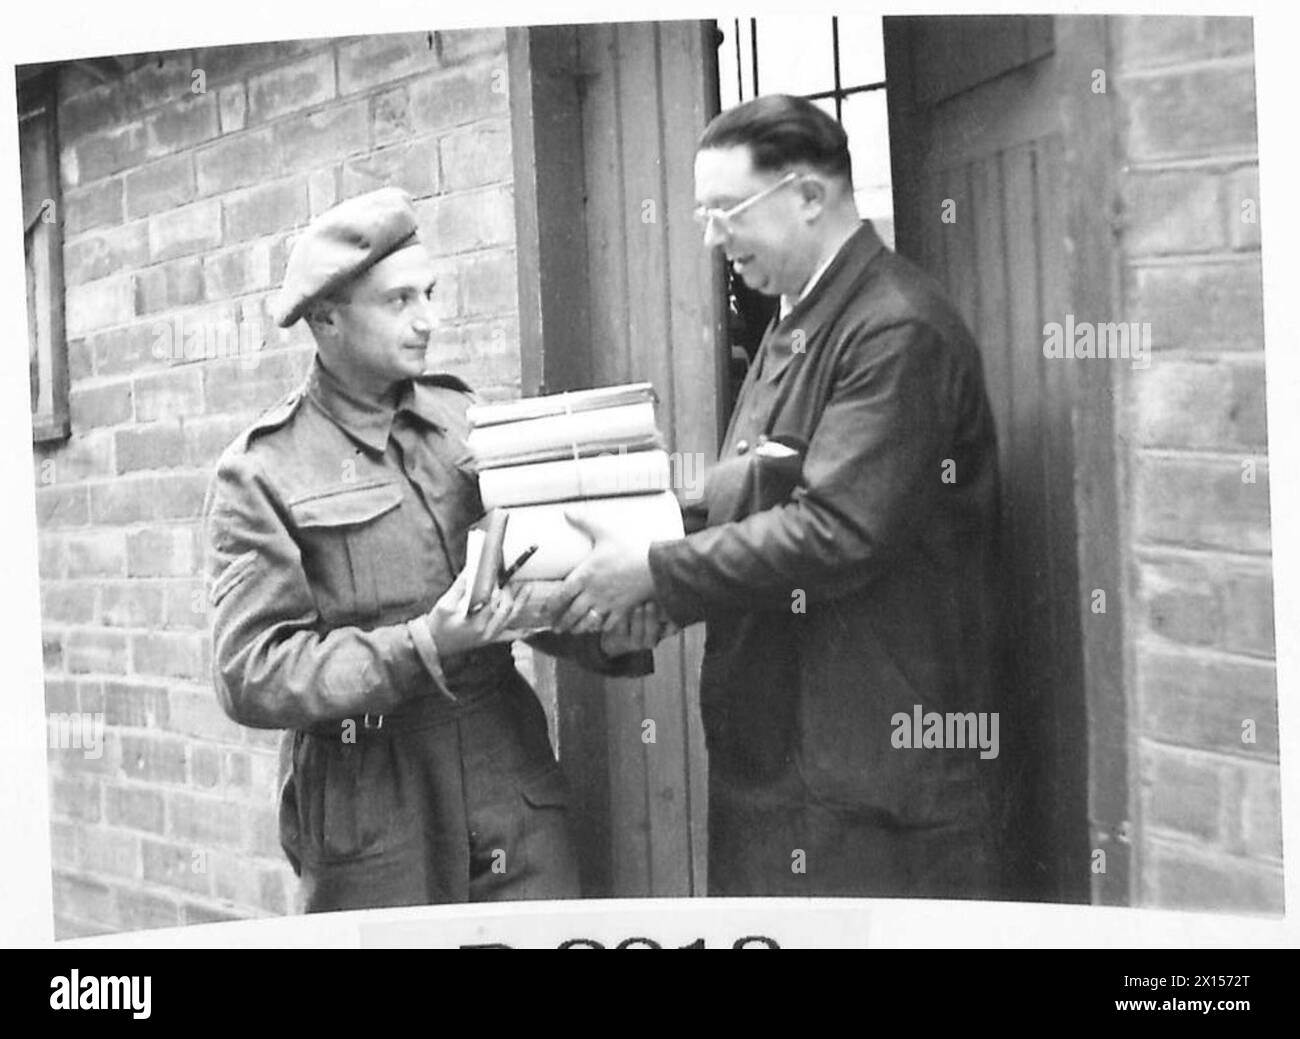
[765, 239]
[383, 328]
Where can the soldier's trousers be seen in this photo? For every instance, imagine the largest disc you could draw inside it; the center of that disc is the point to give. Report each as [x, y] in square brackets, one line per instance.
[442, 803]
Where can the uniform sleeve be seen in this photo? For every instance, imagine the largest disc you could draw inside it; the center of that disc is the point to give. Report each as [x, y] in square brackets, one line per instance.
[873, 462]
[273, 667]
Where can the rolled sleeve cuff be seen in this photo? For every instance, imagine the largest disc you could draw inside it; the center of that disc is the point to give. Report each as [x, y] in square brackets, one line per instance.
[428, 653]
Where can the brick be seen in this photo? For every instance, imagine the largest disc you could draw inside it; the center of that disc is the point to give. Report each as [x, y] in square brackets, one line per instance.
[164, 184]
[160, 552]
[157, 446]
[142, 910]
[322, 190]
[237, 60]
[1212, 306]
[140, 499]
[488, 285]
[374, 60]
[236, 162]
[309, 141]
[83, 457]
[176, 866]
[1202, 702]
[205, 767]
[91, 651]
[476, 156]
[134, 808]
[238, 883]
[81, 360]
[1147, 41]
[456, 46]
[87, 901]
[130, 605]
[62, 506]
[1173, 212]
[468, 220]
[271, 892]
[1181, 792]
[169, 395]
[185, 605]
[97, 109]
[99, 406]
[205, 820]
[1180, 877]
[390, 116]
[96, 554]
[181, 232]
[1205, 111]
[1199, 503]
[1260, 812]
[456, 97]
[51, 652]
[169, 285]
[236, 768]
[159, 80]
[99, 304]
[1202, 601]
[1201, 406]
[52, 556]
[124, 351]
[199, 714]
[67, 603]
[292, 86]
[194, 913]
[250, 268]
[170, 655]
[90, 698]
[265, 209]
[213, 332]
[153, 758]
[104, 153]
[61, 696]
[135, 705]
[183, 124]
[232, 104]
[412, 167]
[206, 438]
[231, 385]
[263, 832]
[76, 798]
[63, 843]
[67, 928]
[99, 205]
[1241, 204]
[108, 853]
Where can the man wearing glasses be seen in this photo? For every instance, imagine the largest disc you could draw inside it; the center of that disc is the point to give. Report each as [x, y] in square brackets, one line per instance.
[843, 556]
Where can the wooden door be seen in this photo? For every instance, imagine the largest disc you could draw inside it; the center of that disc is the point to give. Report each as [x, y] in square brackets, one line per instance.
[615, 286]
[980, 129]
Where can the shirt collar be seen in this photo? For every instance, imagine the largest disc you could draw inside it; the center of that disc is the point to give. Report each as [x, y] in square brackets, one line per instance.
[366, 421]
[844, 246]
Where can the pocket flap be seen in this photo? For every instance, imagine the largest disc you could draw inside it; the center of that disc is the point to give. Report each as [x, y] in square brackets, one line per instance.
[346, 507]
[548, 790]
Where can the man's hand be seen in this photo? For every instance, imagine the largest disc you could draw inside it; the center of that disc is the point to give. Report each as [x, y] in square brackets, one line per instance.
[606, 585]
[453, 632]
[643, 628]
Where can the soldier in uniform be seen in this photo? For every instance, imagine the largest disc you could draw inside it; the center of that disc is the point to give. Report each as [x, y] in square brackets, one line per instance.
[416, 766]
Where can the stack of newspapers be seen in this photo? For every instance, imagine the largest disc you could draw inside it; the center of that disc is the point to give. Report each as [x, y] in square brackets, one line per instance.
[596, 454]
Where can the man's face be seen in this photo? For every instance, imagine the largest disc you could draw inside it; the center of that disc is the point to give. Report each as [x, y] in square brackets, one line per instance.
[381, 332]
[766, 242]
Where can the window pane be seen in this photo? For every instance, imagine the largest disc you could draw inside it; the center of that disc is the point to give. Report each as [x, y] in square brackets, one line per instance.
[795, 55]
[733, 90]
[866, 121]
[862, 50]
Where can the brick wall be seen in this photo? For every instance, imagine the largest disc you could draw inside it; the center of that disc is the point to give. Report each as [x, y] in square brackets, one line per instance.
[1191, 427]
[184, 177]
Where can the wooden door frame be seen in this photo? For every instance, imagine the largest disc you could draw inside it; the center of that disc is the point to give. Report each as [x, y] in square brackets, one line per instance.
[1092, 271]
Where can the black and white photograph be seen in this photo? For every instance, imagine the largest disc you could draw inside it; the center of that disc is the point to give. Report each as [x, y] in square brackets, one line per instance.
[791, 455]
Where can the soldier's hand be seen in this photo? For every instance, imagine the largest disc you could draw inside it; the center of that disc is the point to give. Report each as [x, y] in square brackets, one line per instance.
[453, 632]
[640, 628]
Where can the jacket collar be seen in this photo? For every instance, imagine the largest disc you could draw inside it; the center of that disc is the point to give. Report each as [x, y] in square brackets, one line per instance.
[368, 422]
[858, 250]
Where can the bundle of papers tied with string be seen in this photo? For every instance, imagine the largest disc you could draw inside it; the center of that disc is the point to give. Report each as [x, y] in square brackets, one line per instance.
[596, 454]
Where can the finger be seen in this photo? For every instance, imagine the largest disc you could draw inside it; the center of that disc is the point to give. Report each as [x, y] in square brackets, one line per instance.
[637, 626]
[573, 614]
[617, 623]
[581, 523]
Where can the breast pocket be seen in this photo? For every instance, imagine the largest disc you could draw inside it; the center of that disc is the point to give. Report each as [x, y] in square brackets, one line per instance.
[356, 550]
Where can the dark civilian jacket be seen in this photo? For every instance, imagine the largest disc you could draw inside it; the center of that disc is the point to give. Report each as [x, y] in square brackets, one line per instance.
[853, 582]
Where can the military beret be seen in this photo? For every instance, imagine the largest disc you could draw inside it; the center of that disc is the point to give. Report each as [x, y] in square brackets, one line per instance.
[342, 243]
